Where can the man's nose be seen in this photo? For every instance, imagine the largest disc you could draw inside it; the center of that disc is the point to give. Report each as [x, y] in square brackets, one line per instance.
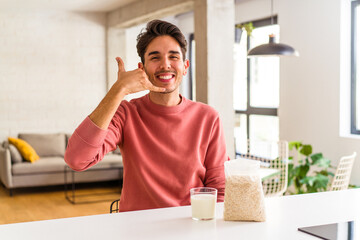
[165, 63]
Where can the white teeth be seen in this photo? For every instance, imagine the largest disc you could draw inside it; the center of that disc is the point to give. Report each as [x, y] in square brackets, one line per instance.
[166, 77]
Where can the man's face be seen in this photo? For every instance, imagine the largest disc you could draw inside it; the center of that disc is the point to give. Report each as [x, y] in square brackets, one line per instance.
[164, 63]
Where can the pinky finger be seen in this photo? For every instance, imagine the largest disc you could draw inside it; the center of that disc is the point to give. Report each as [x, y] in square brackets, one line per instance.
[157, 89]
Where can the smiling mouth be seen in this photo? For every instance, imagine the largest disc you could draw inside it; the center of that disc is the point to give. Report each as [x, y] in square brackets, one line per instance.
[165, 77]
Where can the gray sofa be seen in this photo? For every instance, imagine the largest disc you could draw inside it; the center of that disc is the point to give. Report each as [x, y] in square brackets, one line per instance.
[49, 169]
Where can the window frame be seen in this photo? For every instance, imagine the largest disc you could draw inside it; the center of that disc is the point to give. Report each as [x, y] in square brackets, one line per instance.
[353, 93]
[249, 109]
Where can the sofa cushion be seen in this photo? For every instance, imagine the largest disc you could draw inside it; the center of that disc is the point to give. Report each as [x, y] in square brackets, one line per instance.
[46, 145]
[15, 154]
[43, 165]
[56, 164]
[110, 160]
[67, 136]
[27, 152]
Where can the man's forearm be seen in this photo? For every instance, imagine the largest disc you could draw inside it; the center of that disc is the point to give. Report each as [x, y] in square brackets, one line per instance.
[106, 109]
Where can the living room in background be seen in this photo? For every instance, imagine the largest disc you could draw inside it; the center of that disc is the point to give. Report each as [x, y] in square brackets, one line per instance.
[256, 88]
[355, 67]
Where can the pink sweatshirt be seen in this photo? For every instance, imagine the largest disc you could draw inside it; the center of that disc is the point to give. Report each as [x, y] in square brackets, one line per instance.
[166, 151]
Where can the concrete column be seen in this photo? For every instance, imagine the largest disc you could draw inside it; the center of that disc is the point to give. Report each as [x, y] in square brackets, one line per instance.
[116, 47]
[214, 40]
[121, 42]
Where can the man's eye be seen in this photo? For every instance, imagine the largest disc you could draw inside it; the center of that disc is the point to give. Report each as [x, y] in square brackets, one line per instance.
[174, 57]
[154, 58]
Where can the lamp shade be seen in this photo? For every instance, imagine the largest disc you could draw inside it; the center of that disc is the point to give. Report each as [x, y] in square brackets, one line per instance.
[272, 49]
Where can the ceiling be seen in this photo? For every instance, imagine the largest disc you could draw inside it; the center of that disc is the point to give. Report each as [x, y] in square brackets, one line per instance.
[68, 5]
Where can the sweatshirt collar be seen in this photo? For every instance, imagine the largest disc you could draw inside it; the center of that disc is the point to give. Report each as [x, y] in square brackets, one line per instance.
[165, 109]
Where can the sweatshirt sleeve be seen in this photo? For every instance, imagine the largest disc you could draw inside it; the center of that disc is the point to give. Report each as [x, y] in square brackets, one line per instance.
[215, 158]
[89, 143]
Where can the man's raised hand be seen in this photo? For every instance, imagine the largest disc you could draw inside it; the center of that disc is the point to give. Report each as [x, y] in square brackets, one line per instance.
[135, 80]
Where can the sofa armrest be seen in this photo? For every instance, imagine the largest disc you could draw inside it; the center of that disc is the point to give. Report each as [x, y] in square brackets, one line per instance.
[5, 167]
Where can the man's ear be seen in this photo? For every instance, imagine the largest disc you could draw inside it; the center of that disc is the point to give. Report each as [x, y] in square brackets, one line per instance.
[186, 66]
[141, 66]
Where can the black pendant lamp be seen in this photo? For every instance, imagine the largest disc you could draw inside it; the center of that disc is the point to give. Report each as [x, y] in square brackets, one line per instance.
[272, 48]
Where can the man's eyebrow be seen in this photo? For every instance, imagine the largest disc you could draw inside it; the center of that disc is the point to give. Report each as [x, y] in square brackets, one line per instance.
[174, 52]
[153, 53]
[157, 52]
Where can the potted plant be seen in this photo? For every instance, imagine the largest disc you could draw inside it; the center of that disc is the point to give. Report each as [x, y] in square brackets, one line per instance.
[299, 174]
[239, 28]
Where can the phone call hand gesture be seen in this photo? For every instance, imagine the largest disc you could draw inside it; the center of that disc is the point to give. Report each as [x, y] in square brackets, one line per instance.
[135, 80]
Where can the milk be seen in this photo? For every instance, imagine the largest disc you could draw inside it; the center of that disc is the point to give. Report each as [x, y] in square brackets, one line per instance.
[203, 206]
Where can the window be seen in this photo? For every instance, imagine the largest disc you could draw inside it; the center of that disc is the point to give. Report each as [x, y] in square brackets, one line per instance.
[355, 67]
[256, 88]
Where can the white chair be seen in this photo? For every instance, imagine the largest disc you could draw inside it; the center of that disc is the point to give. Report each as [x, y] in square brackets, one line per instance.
[343, 172]
[274, 155]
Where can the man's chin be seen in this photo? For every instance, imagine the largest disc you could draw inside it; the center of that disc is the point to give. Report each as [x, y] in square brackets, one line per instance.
[168, 91]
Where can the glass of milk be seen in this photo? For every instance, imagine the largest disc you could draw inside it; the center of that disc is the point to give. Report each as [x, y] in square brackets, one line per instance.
[203, 201]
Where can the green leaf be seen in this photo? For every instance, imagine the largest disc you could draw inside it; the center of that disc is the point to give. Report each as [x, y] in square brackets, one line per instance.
[297, 185]
[295, 144]
[301, 171]
[290, 182]
[316, 183]
[290, 171]
[321, 181]
[323, 162]
[316, 157]
[290, 167]
[324, 172]
[249, 27]
[306, 150]
[311, 189]
[308, 180]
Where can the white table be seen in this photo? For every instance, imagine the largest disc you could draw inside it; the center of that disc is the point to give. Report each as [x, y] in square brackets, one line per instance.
[284, 216]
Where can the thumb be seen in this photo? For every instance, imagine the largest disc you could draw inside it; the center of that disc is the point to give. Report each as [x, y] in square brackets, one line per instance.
[120, 64]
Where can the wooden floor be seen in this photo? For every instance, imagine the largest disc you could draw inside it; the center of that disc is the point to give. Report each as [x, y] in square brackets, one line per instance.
[33, 204]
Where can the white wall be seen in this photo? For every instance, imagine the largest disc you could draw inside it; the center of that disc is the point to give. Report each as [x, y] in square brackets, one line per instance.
[310, 84]
[52, 69]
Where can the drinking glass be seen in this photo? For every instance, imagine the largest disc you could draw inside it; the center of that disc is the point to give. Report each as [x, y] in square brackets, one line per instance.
[203, 202]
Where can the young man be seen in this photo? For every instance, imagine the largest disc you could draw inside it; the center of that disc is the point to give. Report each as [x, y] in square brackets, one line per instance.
[169, 144]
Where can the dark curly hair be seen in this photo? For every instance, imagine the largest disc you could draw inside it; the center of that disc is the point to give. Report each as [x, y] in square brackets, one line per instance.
[156, 28]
